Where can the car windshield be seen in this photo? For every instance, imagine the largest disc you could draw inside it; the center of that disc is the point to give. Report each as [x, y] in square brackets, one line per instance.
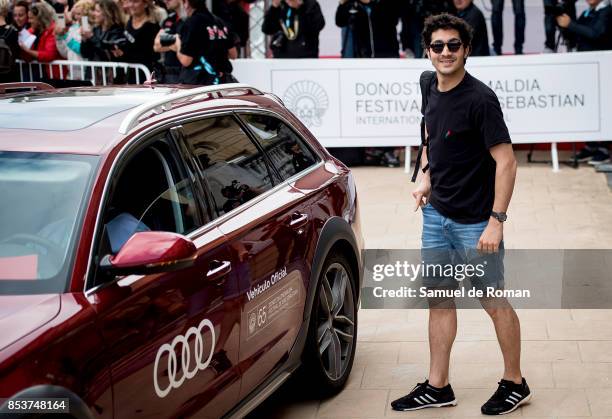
[43, 196]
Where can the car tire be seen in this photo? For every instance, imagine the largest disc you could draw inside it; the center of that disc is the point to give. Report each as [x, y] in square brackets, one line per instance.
[332, 336]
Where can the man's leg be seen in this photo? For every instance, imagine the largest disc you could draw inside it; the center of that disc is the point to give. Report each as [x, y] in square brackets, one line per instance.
[550, 30]
[508, 330]
[519, 25]
[436, 391]
[442, 333]
[497, 25]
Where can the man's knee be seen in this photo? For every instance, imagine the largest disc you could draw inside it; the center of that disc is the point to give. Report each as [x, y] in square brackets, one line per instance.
[496, 307]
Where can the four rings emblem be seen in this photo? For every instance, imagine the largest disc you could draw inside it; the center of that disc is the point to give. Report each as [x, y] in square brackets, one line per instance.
[191, 363]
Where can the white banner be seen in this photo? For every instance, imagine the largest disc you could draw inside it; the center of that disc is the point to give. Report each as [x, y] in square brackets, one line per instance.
[376, 102]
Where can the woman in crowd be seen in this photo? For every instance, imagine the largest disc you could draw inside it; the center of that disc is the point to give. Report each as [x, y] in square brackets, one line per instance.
[140, 34]
[8, 33]
[96, 45]
[68, 39]
[20, 15]
[44, 49]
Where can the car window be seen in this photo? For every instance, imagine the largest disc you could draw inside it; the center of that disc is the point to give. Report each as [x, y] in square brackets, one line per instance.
[152, 193]
[232, 166]
[43, 196]
[287, 151]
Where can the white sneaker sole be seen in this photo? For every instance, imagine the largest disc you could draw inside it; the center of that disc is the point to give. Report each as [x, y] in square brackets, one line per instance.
[597, 163]
[516, 406]
[425, 406]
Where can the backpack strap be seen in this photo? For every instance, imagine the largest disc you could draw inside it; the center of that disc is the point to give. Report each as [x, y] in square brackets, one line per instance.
[425, 83]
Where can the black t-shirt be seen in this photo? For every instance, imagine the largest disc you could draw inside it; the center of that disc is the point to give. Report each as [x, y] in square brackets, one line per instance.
[203, 35]
[463, 124]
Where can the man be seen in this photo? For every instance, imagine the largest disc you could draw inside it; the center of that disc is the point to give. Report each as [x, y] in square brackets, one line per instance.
[203, 47]
[295, 26]
[593, 32]
[464, 196]
[497, 23]
[467, 10]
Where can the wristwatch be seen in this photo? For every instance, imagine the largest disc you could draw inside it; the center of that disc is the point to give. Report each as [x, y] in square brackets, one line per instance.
[499, 216]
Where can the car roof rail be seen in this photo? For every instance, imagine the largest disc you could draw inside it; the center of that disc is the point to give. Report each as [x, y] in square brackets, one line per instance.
[21, 87]
[162, 104]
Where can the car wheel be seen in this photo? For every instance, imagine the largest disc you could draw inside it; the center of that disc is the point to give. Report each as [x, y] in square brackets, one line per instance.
[332, 337]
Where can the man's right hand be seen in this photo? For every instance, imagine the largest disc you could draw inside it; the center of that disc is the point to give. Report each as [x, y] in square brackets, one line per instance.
[421, 193]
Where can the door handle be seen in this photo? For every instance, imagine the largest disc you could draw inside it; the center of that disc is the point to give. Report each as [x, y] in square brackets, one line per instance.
[298, 220]
[222, 269]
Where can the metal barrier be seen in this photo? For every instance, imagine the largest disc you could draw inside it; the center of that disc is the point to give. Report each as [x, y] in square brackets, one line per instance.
[96, 72]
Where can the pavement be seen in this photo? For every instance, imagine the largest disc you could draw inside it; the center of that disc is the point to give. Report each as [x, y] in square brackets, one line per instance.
[566, 354]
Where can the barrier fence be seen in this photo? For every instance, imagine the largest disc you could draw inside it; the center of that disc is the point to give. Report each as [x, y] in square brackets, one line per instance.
[98, 73]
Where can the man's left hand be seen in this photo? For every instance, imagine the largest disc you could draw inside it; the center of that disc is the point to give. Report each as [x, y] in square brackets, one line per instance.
[491, 237]
[563, 20]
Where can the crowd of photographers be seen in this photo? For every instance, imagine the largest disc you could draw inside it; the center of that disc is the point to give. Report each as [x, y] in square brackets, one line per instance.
[184, 42]
[180, 40]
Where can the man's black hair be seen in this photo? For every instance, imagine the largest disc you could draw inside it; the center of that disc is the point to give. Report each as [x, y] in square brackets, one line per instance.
[446, 21]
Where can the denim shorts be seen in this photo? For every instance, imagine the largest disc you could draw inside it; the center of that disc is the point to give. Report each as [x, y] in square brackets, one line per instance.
[453, 245]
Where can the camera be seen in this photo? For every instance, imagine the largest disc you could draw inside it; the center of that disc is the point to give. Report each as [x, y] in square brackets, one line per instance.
[166, 39]
[120, 43]
[554, 8]
[278, 40]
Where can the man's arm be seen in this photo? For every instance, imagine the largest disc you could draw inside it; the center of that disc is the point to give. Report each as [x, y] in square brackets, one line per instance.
[505, 175]
[593, 33]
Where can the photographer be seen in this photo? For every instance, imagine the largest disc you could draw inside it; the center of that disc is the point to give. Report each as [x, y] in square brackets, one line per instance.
[96, 44]
[593, 29]
[203, 47]
[371, 27]
[295, 26]
[170, 27]
[553, 9]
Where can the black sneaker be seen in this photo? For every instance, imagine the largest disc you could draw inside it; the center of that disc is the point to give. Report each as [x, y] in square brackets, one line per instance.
[585, 154]
[600, 157]
[508, 397]
[425, 395]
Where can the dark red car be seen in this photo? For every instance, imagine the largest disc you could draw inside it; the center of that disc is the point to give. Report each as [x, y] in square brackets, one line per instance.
[170, 252]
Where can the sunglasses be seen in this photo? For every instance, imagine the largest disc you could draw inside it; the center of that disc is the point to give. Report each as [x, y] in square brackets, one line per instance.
[453, 46]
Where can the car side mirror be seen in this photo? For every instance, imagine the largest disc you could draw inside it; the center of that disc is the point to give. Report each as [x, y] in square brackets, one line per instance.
[151, 252]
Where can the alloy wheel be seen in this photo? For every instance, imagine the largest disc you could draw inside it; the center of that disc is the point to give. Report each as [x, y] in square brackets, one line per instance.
[336, 321]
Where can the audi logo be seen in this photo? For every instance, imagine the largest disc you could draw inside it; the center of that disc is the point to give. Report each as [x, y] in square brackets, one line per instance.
[180, 344]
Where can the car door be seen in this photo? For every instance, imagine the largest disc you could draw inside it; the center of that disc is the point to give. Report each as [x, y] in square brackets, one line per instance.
[265, 224]
[172, 345]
